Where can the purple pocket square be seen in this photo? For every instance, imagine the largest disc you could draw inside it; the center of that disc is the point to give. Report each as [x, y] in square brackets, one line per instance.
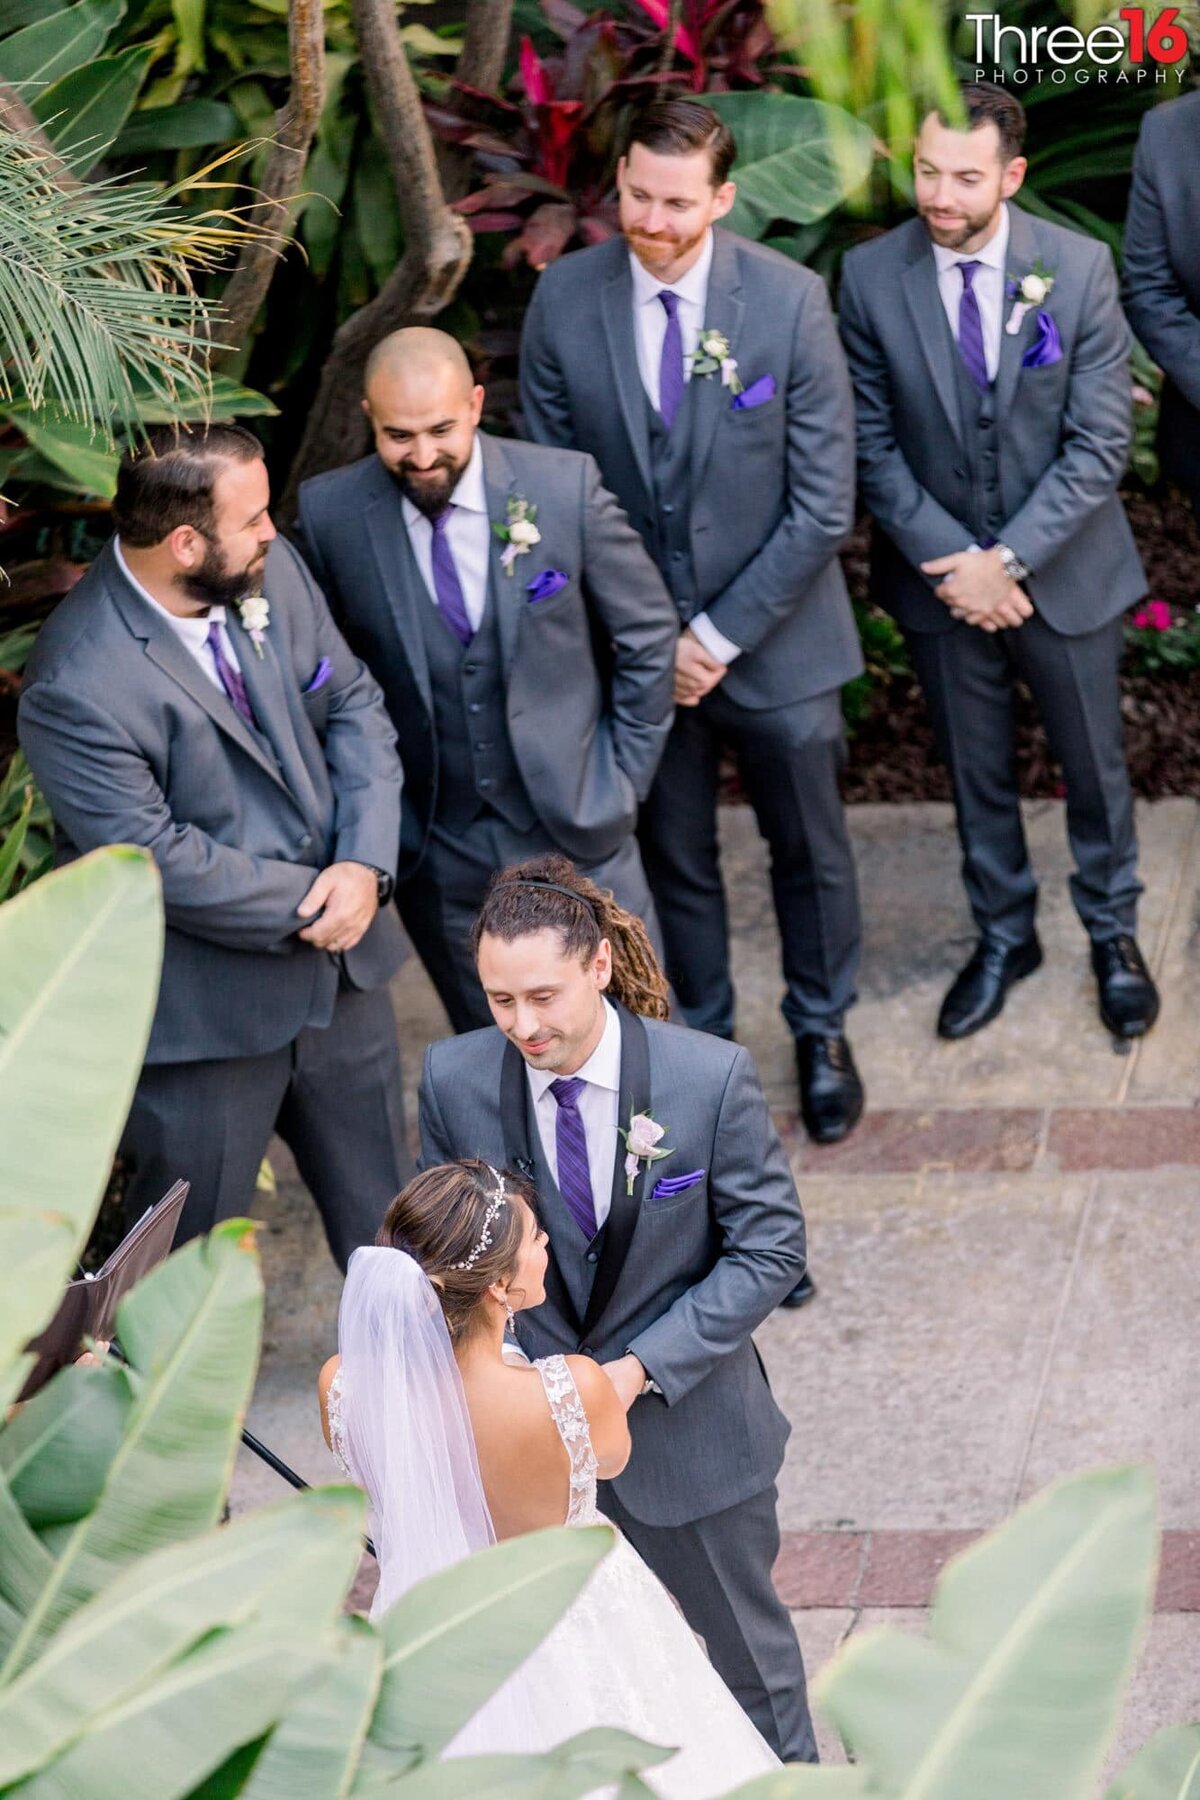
[320, 675]
[545, 585]
[670, 1185]
[756, 394]
[1046, 347]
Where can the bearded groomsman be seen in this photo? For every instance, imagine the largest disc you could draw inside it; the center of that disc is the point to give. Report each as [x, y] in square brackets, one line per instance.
[522, 637]
[1162, 276]
[704, 374]
[991, 371]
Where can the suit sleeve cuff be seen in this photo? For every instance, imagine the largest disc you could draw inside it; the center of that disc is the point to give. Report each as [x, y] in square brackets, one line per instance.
[712, 640]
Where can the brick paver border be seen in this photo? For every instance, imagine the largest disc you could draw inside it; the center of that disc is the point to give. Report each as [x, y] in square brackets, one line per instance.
[1004, 1139]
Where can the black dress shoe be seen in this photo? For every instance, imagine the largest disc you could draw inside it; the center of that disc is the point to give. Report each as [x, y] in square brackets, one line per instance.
[1128, 996]
[977, 992]
[804, 1291]
[831, 1090]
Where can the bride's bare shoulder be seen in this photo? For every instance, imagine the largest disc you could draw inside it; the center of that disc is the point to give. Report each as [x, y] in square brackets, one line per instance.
[324, 1383]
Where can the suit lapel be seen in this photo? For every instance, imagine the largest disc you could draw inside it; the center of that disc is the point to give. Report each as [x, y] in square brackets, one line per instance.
[1022, 253]
[403, 588]
[506, 593]
[623, 1213]
[265, 684]
[519, 1155]
[164, 649]
[723, 311]
[616, 308]
[924, 300]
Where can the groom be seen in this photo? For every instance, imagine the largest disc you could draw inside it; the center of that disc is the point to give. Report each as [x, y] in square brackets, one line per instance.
[660, 1274]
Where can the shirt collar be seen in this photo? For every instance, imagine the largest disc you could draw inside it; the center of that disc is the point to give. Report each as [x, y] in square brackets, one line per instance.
[692, 286]
[194, 626]
[603, 1066]
[994, 253]
[470, 492]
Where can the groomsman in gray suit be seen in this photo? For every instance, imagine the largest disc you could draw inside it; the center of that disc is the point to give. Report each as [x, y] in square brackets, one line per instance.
[522, 636]
[660, 1269]
[1161, 284]
[192, 696]
[704, 375]
[991, 369]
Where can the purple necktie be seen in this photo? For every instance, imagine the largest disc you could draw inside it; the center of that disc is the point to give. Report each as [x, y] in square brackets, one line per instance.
[574, 1176]
[670, 368]
[446, 585]
[231, 679]
[970, 329]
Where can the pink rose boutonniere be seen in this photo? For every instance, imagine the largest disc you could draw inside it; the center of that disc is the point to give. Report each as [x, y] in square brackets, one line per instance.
[641, 1145]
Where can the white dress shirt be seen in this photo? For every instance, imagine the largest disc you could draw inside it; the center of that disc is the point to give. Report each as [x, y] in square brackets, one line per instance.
[649, 330]
[192, 633]
[597, 1106]
[988, 287]
[468, 532]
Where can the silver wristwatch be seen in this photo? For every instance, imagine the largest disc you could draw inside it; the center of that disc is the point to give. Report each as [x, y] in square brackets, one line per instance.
[1014, 568]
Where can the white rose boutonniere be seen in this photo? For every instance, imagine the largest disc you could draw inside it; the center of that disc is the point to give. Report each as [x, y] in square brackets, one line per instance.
[641, 1145]
[711, 357]
[519, 534]
[1027, 291]
[255, 611]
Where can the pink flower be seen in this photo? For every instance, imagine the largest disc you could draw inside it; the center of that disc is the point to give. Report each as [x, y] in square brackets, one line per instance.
[1154, 616]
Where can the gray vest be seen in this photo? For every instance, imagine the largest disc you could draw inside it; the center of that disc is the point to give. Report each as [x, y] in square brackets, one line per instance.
[476, 765]
[982, 452]
[670, 460]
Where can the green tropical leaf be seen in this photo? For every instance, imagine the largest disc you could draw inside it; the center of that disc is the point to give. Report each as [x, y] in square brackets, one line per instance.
[797, 159]
[78, 451]
[569, 1771]
[79, 961]
[453, 1640]
[313, 1753]
[188, 125]
[797, 1783]
[83, 112]
[230, 400]
[1167, 1768]
[1033, 1632]
[56, 1452]
[13, 845]
[189, 20]
[65, 40]
[28, 12]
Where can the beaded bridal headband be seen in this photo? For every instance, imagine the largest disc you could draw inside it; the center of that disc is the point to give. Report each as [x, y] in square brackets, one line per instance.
[496, 1200]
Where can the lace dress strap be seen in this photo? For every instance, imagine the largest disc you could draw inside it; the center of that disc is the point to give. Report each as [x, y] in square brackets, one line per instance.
[337, 1430]
[568, 1413]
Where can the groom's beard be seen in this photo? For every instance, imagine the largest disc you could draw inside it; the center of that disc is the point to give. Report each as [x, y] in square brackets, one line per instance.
[214, 583]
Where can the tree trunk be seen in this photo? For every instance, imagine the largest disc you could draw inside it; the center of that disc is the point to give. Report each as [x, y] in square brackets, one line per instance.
[437, 242]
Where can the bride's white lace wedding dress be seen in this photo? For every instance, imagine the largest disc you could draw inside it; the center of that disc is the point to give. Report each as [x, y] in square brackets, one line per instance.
[622, 1656]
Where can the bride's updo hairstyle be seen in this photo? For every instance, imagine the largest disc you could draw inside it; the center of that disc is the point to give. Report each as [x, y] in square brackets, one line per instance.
[548, 893]
[440, 1219]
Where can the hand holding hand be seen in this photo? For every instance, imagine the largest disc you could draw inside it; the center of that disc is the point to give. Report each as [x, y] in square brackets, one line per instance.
[974, 582]
[696, 672]
[346, 896]
[1012, 611]
[628, 1378]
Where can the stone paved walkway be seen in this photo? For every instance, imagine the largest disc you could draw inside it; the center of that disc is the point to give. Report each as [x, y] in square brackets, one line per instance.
[1005, 1249]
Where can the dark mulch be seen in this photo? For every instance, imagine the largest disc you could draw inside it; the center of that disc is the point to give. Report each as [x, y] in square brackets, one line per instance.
[892, 754]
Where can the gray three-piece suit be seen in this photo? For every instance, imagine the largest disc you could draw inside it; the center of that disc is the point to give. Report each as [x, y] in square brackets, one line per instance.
[744, 510]
[254, 1029]
[1033, 463]
[545, 731]
[681, 1281]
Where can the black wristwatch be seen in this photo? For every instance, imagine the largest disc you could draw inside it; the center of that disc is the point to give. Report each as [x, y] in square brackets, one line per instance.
[385, 885]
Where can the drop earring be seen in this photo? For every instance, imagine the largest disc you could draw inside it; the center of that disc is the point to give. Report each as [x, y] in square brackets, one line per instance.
[510, 1323]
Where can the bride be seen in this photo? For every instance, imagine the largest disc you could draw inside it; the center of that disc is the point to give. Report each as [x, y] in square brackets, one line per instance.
[457, 1446]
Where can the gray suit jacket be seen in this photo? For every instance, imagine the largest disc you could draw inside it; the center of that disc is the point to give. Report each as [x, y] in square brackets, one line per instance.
[588, 672]
[1161, 285]
[682, 1281]
[131, 744]
[1063, 430]
[772, 486]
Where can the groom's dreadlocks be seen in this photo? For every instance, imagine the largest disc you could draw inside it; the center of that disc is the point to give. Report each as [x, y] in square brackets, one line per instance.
[548, 893]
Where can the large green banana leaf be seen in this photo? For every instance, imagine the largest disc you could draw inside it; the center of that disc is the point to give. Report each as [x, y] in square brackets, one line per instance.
[67, 39]
[1033, 1632]
[796, 1783]
[83, 111]
[568, 1772]
[57, 1451]
[137, 1668]
[797, 159]
[1167, 1768]
[314, 1752]
[79, 961]
[450, 1642]
[190, 1330]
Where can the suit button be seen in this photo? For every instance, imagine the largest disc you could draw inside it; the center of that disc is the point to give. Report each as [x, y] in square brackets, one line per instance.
[586, 1350]
[486, 746]
[960, 474]
[470, 668]
[305, 842]
[985, 424]
[485, 781]
[592, 1257]
[475, 706]
[669, 510]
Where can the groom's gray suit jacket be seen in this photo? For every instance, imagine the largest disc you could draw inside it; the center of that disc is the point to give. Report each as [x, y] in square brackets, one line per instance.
[768, 487]
[680, 1281]
[587, 673]
[132, 744]
[1054, 453]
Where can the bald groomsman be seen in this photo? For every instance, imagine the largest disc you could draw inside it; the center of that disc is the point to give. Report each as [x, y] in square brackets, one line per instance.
[523, 639]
